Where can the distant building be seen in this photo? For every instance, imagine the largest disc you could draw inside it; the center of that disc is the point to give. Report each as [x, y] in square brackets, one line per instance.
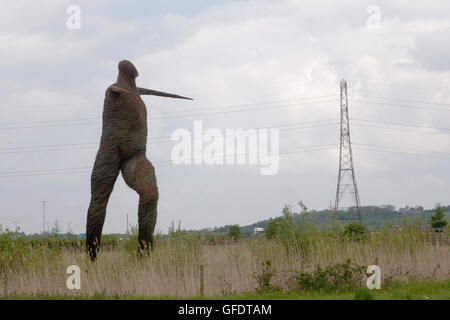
[404, 209]
[411, 210]
[258, 230]
[387, 207]
[418, 209]
[82, 235]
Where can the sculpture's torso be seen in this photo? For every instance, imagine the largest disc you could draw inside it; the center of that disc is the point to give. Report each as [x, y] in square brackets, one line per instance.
[125, 122]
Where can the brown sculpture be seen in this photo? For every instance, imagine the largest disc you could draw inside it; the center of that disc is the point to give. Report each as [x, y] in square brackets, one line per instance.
[122, 148]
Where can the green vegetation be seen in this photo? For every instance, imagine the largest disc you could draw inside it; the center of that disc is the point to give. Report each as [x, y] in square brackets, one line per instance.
[363, 293]
[263, 278]
[337, 277]
[374, 218]
[437, 220]
[355, 231]
[299, 262]
[281, 226]
[234, 232]
[294, 260]
[396, 290]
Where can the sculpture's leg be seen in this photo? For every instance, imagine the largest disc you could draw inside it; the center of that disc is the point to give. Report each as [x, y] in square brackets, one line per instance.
[139, 174]
[104, 175]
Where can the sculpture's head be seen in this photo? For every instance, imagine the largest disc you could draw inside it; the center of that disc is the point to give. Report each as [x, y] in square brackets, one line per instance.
[128, 69]
[128, 73]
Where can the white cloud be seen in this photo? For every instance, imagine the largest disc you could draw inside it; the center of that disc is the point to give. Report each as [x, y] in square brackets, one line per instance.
[433, 50]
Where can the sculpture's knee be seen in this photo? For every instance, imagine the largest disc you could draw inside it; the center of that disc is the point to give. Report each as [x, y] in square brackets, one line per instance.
[146, 185]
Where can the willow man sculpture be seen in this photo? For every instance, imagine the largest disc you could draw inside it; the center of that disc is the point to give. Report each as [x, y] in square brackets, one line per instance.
[122, 148]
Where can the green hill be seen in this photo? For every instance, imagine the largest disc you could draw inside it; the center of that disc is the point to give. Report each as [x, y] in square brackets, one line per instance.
[373, 217]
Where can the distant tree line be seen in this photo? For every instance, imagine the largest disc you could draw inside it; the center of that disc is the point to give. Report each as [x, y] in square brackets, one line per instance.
[374, 217]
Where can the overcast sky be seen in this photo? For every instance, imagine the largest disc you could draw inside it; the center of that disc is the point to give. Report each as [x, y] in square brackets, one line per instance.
[224, 53]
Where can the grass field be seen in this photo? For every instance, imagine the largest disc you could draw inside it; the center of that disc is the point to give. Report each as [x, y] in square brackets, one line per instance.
[251, 268]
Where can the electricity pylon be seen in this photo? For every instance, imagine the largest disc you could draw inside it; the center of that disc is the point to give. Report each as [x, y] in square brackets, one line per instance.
[346, 177]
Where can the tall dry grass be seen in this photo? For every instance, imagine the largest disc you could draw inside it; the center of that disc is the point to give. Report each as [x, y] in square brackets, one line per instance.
[173, 267]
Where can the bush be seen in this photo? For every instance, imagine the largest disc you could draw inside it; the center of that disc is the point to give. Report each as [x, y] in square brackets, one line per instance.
[338, 277]
[215, 239]
[275, 227]
[437, 220]
[280, 227]
[234, 232]
[263, 278]
[354, 231]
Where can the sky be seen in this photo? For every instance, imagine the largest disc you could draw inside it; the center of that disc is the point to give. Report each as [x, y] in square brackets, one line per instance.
[248, 64]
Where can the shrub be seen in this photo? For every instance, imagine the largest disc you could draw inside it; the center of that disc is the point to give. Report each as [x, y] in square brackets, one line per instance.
[215, 239]
[355, 231]
[281, 227]
[275, 227]
[263, 278]
[337, 277]
[437, 220]
[234, 232]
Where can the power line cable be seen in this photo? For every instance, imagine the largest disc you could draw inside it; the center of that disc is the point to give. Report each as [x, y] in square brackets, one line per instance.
[403, 153]
[52, 125]
[198, 111]
[243, 110]
[368, 147]
[245, 105]
[172, 116]
[399, 129]
[302, 124]
[282, 127]
[210, 108]
[399, 99]
[402, 148]
[401, 124]
[49, 146]
[6, 174]
[400, 105]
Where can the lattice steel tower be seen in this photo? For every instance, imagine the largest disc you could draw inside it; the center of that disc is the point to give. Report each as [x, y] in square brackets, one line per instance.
[346, 177]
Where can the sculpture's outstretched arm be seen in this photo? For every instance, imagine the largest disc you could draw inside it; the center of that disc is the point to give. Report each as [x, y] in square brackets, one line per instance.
[143, 91]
